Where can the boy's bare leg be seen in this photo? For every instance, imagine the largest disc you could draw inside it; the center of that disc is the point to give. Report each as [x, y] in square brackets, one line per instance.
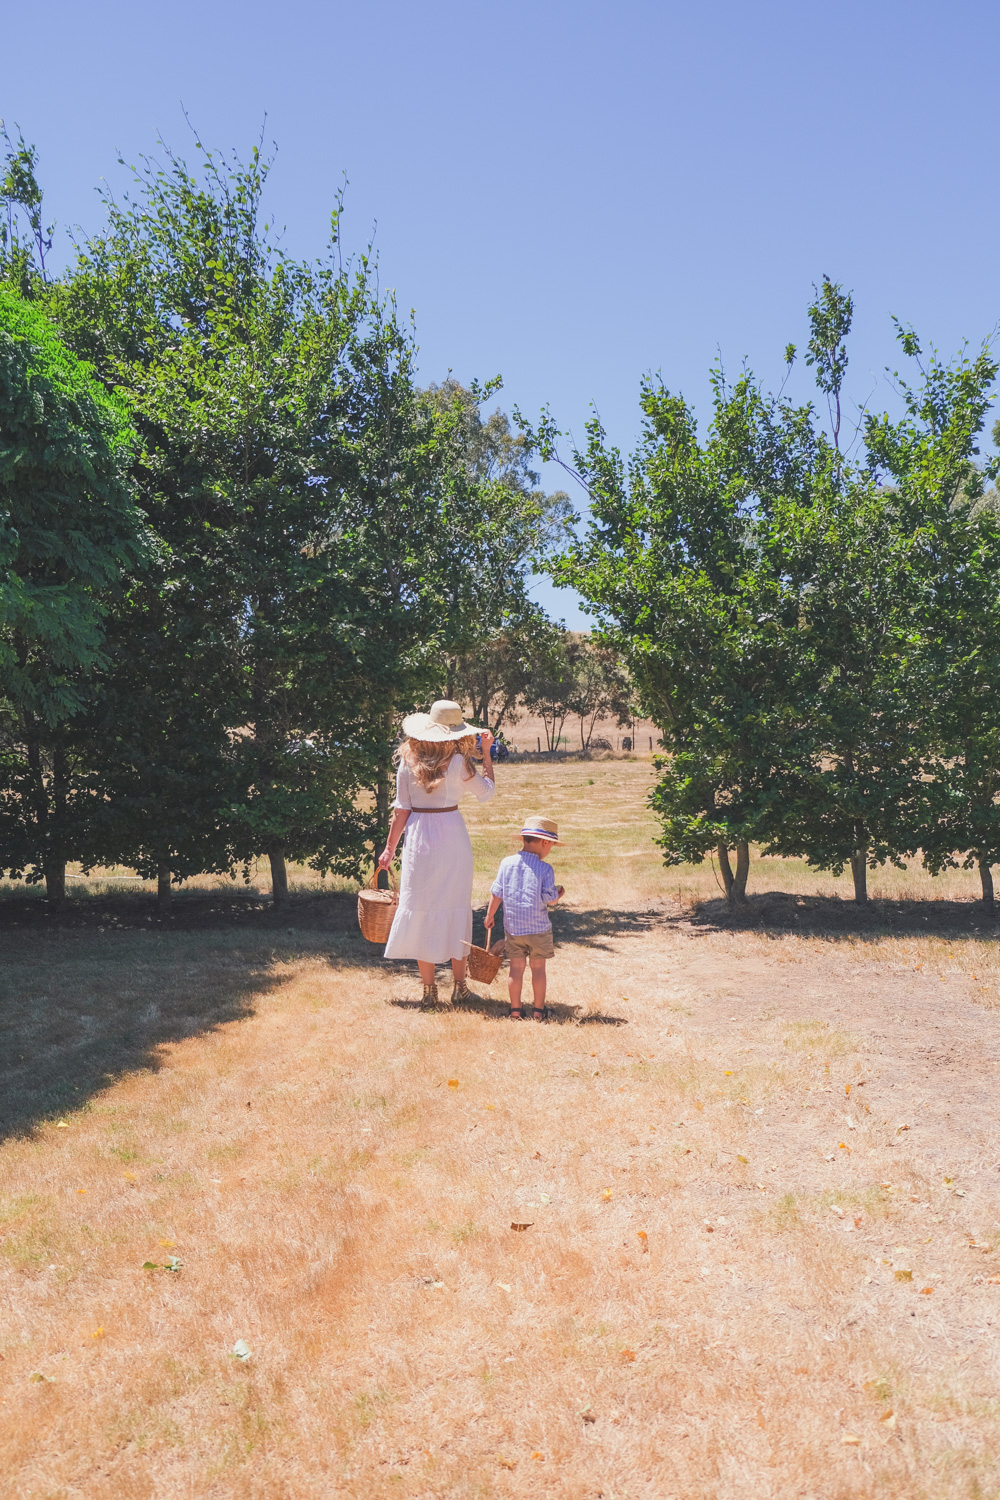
[514, 981]
[538, 984]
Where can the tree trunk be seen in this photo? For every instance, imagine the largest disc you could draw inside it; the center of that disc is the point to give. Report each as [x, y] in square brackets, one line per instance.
[279, 875]
[727, 871]
[859, 870]
[55, 880]
[742, 872]
[986, 877]
[383, 786]
[735, 885]
[164, 890]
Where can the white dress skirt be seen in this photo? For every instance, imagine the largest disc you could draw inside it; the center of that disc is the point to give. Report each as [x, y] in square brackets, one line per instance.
[434, 917]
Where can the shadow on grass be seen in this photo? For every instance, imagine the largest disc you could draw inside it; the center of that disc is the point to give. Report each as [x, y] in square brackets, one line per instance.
[492, 1009]
[81, 1010]
[189, 911]
[829, 917]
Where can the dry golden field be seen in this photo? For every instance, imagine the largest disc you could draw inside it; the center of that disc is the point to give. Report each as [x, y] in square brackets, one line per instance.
[758, 1163]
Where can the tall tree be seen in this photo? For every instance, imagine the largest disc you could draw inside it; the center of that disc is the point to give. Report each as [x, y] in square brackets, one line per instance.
[71, 535]
[323, 529]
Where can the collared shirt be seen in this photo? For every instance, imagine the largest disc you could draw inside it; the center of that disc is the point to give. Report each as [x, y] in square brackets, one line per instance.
[525, 883]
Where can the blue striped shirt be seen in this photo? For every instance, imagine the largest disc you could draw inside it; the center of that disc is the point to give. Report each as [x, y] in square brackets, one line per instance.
[525, 883]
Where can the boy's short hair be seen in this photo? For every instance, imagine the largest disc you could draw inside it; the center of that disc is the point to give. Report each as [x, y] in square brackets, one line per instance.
[527, 839]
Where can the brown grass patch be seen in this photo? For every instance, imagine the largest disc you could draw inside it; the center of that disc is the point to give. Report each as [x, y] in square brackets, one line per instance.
[723, 1168]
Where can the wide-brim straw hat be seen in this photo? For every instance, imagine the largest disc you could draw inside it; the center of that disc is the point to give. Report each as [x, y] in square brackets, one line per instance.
[444, 722]
[541, 828]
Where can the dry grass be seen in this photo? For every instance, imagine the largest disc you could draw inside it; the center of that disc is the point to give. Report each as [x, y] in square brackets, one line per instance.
[704, 1305]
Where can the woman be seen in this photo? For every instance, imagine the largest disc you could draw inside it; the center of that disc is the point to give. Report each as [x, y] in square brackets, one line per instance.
[433, 921]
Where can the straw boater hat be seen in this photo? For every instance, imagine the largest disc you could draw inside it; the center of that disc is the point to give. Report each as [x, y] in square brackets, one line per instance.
[444, 722]
[541, 828]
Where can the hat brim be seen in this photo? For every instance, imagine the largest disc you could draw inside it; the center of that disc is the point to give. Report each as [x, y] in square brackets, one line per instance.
[539, 833]
[423, 727]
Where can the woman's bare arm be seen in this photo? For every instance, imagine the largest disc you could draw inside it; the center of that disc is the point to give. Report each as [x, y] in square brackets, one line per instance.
[399, 817]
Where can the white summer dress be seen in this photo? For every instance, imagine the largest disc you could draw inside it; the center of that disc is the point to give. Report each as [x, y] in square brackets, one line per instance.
[434, 917]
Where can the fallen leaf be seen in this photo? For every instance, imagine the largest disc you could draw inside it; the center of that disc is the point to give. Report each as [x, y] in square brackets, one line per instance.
[242, 1349]
[150, 1265]
[847, 1088]
[81, 1190]
[844, 1146]
[902, 1274]
[504, 1286]
[628, 1356]
[744, 1160]
[129, 1176]
[453, 1083]
[98, 1333]
[168, 1244]
[727, 1073]
[37, 1375]
[995, 1280]
[888, 1418]
[539, 1456]
[643, 1239]
[851, 1439]
[60, 1125]
[505, 1463]
[901, 1128]
[521, 1227]
[925, 1291]
[606, 1194]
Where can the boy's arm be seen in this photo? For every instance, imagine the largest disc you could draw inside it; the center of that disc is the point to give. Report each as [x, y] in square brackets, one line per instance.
[491, 912]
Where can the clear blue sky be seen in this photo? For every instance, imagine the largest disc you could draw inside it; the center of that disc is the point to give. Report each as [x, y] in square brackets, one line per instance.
[571, 193]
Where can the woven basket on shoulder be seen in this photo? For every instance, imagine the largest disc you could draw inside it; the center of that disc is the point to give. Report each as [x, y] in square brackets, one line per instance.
[376, 910]
[484, 963]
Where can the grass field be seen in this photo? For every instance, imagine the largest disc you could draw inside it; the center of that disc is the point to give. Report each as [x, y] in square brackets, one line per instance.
[757, 1162]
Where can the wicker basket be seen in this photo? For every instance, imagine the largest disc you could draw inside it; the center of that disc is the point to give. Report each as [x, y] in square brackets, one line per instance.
[376, 910]
[484, 963]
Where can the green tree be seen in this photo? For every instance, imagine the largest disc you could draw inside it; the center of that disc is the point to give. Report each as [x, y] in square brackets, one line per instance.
[679, 565]
[71, 536]
[931, 458]
[602, 688]
[323, 530]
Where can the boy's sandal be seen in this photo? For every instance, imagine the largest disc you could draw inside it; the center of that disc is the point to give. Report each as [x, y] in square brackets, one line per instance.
[515, 1013]
[540, 1015]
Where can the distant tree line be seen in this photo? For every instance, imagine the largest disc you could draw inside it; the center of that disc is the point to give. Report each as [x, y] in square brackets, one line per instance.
[239, 540]
[811, 618]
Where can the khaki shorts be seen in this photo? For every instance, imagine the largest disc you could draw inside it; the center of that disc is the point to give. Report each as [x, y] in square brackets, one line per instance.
[532, 945]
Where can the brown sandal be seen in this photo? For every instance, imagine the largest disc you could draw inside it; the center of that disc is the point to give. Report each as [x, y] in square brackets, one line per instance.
[429, 999]
[515, 1013]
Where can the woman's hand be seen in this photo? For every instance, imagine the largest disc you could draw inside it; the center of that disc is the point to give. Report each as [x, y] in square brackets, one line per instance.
[386, 858]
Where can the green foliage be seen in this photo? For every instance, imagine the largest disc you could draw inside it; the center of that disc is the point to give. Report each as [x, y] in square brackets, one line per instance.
[811, 636]
[70, 536]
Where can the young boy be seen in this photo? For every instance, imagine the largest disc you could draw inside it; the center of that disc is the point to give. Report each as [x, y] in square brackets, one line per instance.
[526, 886]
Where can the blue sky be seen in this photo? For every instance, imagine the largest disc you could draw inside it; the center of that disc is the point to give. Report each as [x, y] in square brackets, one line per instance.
[570, 194]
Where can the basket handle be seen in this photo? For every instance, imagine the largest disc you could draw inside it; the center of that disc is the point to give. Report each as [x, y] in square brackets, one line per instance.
[373, 883]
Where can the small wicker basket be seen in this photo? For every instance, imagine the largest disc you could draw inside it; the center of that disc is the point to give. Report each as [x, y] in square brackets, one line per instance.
[376, 910]
[484, 963]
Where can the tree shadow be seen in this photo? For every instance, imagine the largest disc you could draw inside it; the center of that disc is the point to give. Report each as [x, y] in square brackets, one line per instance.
[196, 910]
[597, 927]
[80, 1011]
[831, 918]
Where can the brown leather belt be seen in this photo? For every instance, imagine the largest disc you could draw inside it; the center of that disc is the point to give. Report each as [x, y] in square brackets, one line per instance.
[435, 809]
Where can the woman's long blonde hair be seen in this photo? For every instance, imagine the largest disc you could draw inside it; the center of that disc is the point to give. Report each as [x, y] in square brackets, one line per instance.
[429, 759]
